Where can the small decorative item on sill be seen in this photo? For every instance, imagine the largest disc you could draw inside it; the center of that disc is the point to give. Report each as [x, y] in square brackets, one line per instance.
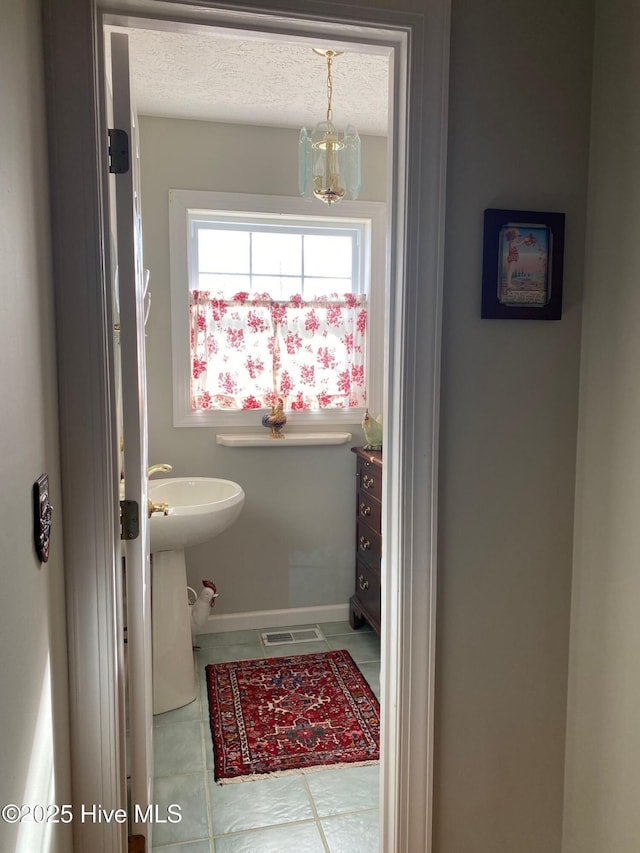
[276, 420]
[372, 428]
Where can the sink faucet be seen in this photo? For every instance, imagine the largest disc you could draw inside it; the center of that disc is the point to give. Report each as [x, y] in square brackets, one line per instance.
[153, 469]
[159, 507]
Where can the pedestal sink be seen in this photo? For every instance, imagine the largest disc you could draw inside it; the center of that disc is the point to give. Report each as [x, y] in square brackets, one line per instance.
[199, 508]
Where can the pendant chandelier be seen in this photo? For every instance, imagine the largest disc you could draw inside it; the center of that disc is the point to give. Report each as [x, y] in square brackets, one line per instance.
[329, 164]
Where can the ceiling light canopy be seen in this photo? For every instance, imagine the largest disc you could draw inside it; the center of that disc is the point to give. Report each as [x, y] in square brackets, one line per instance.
[329, 164]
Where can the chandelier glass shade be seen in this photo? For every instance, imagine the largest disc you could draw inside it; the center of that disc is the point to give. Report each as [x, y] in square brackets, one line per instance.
[329, 163]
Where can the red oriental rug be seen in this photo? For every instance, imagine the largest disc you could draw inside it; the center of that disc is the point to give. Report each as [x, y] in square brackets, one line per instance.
[282, 715]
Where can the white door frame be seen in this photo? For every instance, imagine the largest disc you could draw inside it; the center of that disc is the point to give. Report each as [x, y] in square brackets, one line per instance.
[73, 48]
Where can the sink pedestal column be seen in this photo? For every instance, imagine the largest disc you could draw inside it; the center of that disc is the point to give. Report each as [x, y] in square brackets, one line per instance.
[174, 682]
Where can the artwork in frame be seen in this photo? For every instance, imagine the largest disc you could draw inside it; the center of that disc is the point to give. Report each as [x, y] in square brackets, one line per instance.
[522, 265]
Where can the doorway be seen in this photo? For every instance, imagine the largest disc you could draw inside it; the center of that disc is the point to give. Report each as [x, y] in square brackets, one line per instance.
[415, 264]
[305, 495]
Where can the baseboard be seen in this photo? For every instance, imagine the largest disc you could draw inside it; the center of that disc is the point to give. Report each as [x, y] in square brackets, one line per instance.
[276, 618]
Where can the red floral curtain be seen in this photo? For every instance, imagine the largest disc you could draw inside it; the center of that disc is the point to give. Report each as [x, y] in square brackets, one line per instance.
[249, 350]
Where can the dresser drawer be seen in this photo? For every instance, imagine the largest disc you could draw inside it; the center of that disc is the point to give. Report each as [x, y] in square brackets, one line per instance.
[369, 510]
[370, 478]
[368, 590]
[368, 545]
[365, 603]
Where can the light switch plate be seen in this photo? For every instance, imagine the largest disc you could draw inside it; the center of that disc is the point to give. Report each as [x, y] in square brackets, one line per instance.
[42, 511]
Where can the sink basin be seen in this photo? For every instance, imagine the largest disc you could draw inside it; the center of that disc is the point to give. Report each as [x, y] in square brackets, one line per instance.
[199, 509]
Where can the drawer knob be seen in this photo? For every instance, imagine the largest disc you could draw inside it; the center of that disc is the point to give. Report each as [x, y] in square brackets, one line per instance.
[367, 481]
[364, 543]
[365, 509]
[364, 583]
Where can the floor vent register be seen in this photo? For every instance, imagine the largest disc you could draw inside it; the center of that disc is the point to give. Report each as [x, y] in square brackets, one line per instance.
[303, 635]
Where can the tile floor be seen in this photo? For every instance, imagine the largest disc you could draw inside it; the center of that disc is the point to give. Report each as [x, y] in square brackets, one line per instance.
[327, 811]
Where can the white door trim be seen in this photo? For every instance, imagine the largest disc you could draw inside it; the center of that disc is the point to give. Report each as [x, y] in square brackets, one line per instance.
[89, 460]
[88, 435]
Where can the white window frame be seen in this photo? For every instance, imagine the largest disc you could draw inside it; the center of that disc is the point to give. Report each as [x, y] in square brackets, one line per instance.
[184, 202]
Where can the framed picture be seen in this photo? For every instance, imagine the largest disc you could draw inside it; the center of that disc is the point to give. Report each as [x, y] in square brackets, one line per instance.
[522, 265]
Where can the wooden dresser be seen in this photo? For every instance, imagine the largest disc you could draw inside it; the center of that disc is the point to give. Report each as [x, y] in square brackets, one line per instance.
[365, 602]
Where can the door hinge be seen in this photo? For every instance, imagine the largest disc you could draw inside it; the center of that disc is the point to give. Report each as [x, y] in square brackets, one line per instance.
[129, 520]
[118, 151]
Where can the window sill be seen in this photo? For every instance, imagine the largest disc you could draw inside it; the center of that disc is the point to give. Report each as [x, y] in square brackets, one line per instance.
[289, 439]
[249, 419]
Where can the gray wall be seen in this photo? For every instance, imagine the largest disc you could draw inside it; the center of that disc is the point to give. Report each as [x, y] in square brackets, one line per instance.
[603, 733]
[293, 543]
[34, 738]
[518, 138]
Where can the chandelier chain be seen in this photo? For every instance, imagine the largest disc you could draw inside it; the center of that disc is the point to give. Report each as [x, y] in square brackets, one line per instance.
[329, 86]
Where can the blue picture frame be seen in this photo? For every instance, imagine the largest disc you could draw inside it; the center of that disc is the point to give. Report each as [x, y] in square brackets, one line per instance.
[522, 267]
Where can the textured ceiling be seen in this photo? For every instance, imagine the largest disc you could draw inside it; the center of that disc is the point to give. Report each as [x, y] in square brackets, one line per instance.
[212, 76]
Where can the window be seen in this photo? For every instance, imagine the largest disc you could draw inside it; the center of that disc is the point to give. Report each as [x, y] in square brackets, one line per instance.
[283, 260]
[272, 299]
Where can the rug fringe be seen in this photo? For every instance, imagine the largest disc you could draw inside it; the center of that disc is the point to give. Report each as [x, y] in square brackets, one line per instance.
[295, 772]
